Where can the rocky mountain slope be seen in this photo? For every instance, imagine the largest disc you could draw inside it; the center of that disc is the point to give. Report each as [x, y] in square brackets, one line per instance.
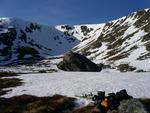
[123, 43]
[23, 40]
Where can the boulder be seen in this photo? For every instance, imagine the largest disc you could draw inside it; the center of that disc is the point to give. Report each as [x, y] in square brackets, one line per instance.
[76, 62]
[131, 106]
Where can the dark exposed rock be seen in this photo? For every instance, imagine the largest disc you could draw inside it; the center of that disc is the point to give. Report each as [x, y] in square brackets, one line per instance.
[27, 29]
[86, 30]
[34, 26]
[27, 51]
[125, 68]
[130, 106]
[146, 103]
[76, 62]
[7, 39]
[67, 27]
[62, 66]
[23, 36]
[140, 70]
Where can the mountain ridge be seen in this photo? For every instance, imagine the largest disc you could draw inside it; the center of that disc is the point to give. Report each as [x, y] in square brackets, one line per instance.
[113, 43]
[118, 41]
[19, 39]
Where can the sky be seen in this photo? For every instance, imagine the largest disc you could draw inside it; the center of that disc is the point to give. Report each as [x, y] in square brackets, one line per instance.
[55, 12]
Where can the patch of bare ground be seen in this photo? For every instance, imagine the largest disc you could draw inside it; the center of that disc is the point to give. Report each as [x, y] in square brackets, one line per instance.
[87, 109]
[33, 104]
[8, 82]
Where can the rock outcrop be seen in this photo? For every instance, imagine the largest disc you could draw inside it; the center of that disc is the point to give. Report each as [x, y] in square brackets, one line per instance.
[76, 62]
[131, 106]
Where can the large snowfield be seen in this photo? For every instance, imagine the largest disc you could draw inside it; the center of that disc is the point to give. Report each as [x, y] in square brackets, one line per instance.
[79, 83]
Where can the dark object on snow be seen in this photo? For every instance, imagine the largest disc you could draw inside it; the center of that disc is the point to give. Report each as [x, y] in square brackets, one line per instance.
[100, 95]
[110, 102]
[101, 102]
[76, 62]
[122, 95]
[126, 106]
[113, 101]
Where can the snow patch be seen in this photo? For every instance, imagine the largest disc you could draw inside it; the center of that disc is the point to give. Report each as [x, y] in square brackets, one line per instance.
[79, 83]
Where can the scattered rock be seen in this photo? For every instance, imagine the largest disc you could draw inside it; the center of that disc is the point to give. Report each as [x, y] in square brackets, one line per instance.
[76, 62]
[125, 67]
[140, 70]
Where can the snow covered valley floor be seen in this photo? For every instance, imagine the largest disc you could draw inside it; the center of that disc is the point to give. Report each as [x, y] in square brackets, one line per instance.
[79, 83]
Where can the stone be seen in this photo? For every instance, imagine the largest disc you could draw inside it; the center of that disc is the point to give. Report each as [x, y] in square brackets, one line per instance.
[76, 62]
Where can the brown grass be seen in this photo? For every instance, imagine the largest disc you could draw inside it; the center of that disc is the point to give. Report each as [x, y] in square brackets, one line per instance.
[87, 109]
[6, 74]
[32, 104]
[8, 82]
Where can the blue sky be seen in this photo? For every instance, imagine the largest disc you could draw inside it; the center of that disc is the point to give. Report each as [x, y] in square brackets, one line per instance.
[53, 12]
